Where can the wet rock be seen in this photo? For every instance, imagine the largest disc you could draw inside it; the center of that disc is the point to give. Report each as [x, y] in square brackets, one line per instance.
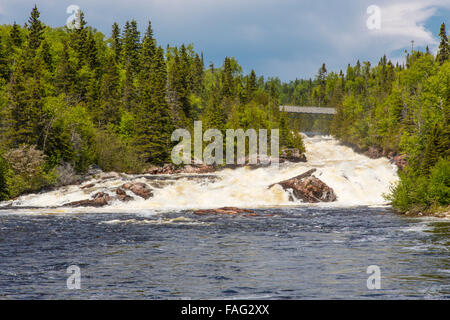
[87, 186]
[308, 188]
[122, 195]
[226, 211]
[374, 152]
[400, 161]
[292, 155]
[100, 199]
[109, 175]
[198, 168]
[138, 188]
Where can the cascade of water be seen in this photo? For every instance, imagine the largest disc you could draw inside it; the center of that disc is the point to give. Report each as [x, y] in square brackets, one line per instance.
[356, 180]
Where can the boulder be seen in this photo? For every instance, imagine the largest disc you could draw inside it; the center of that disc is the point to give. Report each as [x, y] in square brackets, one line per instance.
[292, 155]
[400, 161]
[99, 199]
[308, 188]
[374, 152]
[87, 186]
[122, 195]
[138, 188]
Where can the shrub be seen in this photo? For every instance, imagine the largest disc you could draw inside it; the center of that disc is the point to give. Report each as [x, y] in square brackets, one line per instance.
[439, 183]
[26, 170]
[113, 154]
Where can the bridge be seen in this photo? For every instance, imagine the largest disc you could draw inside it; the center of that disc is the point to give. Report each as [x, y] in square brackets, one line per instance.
[311, 110]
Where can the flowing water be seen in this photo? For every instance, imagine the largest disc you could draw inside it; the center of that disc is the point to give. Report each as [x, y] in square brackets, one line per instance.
[158, 248]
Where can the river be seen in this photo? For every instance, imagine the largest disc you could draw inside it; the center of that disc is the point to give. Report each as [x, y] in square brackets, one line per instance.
[159, 249]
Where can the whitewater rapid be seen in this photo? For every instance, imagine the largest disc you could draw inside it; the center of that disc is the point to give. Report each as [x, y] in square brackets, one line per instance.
[356, 179]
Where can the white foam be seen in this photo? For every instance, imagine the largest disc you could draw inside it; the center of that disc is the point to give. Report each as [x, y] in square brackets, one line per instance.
[356, 180]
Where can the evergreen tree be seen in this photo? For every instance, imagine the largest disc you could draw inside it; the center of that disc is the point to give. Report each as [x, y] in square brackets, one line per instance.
[36, 29]
[65, 75]
[131, 46]
[26, 95]
[46, 56]
[444, 49]
[251, 85]
[110, 94]
[154, 126]
[227, 79]
[4, 63]
[116, 42]
[15, 35]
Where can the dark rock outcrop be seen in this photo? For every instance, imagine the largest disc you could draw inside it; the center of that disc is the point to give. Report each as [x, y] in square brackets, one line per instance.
[292, 155]
[138, 188]
[122, 195]
[99, 199]
[308, 188]
[226, 211]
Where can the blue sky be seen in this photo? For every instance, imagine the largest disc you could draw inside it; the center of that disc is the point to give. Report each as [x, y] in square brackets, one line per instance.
[285, 38]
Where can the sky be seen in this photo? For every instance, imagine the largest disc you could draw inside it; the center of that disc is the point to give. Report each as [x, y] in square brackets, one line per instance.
[288, 39]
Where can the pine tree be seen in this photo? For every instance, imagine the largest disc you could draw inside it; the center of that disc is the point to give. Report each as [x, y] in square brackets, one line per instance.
[227, 79]
[65, 75]
[154, 126]
[46, 56]
[4, 63]
[91, 51]
[131, 46]
[116, 42]
[78, 39]
[147, 50]
[15, 35]
[110, 94]
[251, 85]
[36, 29]
[444, 49]
[26, 93]
[436, 147]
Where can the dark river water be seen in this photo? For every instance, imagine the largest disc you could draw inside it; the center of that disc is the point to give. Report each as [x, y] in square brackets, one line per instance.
[286, 253]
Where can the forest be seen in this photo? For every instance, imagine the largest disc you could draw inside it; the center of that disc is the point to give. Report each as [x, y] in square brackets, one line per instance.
[73, 98]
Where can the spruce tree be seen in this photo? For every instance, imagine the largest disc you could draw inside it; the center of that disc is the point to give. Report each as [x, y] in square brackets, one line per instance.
[444, 49]
[116, 42]
[227, 79]
[36, 29]
[4, 63]
[110, 94]
[154, 126]
[251, 85]
[65, 75]
[15, 35]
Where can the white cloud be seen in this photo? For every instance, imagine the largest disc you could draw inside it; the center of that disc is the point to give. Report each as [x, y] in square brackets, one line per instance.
[404, 21]
[286, 38]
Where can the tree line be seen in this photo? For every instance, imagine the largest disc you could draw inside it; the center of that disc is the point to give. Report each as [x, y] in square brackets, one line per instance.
[73, 98]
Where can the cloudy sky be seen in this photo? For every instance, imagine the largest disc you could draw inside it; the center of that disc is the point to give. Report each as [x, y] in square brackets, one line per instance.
[285, 38]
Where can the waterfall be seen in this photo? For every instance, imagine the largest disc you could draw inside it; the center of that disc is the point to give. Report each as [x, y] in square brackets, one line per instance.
[355, 178]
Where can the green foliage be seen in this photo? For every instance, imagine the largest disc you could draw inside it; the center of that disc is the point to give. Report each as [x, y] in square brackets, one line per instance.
[402, 109]
[26, 170]
[79, 98]
[4, 193]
